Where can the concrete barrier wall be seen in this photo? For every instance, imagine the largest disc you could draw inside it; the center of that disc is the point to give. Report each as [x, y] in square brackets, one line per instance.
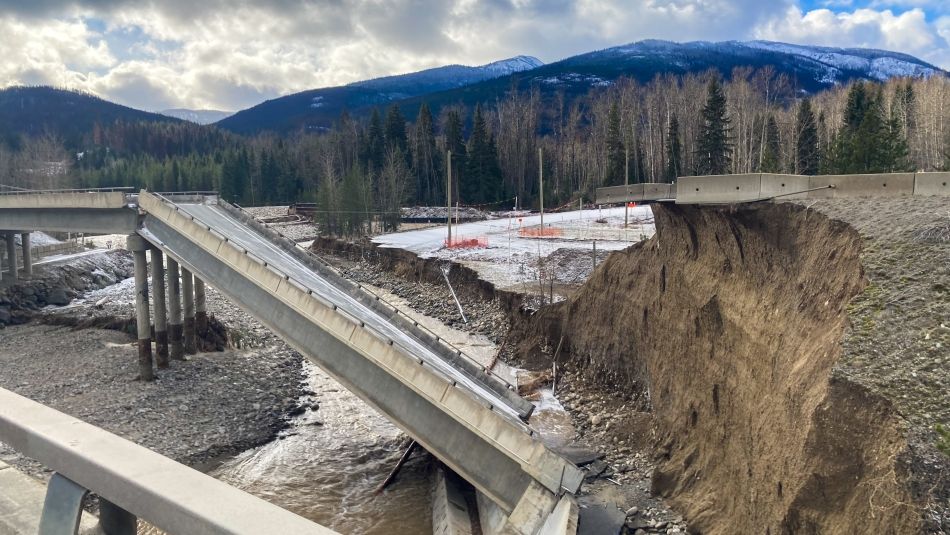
[99, 200]
[784, 187]
[727, 189]
[718, 189]
[932, 184]
[878, 185]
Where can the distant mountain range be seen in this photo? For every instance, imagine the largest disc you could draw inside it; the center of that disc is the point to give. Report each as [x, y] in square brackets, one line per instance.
[37, 110]
[812, 68]
[198, 116]
[318, 108]
[34, 110]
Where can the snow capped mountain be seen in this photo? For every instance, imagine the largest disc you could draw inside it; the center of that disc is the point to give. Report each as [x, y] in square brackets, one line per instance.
[197, 116]
[447, 77]
[512, 65]
[878, 64]
[810, 68]
[814, 66]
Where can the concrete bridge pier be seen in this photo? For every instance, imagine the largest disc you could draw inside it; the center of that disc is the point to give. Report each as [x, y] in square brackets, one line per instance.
[138, 246]
[11, 257]
[176, 349]
[27, 254]
[201, 308]
[161, 318]
[188, 327]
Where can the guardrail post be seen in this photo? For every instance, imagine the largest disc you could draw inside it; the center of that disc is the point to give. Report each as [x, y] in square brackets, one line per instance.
[161, 318]
[201, 308]
[114, 520]
[11, 256]
[62, 508]
[27, 254]
[188, 293]
[174, 312]
[138, 247]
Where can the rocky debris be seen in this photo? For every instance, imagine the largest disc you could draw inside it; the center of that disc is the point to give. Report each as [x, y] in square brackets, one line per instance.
[484, 317]
[439, 212]
[59, 284]
[569, 265]
[276, 217]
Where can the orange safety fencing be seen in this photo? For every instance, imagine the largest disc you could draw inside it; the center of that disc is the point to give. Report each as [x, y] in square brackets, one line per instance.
[465, 243]
[535, 232]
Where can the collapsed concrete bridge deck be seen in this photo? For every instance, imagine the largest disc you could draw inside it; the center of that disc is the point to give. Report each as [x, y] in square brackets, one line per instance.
[467, 417]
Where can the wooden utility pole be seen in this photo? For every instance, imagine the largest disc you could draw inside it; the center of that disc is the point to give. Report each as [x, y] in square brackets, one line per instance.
[541, 186]
[448, 195]
[626, 186]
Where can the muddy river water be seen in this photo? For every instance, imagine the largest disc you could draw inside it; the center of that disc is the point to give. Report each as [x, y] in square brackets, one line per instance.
[328, 464]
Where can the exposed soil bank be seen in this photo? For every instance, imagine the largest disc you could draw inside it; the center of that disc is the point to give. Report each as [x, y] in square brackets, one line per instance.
[730, 325]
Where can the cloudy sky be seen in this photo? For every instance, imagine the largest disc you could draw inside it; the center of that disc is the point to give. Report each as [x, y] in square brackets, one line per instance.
[219, 54]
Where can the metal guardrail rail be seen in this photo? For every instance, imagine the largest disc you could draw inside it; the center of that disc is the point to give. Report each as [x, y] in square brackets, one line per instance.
[131, 481]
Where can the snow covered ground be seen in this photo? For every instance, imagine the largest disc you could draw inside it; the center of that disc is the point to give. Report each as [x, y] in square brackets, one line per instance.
[510, 259]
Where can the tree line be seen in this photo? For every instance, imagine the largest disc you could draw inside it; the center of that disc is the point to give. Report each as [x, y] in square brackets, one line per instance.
[361, 171]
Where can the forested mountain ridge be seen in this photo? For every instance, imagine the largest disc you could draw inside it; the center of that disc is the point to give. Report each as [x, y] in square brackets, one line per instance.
[808, 68]
[69, 115]
[317, 109]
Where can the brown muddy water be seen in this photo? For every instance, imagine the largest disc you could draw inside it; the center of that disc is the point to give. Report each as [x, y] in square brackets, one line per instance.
[329, 473]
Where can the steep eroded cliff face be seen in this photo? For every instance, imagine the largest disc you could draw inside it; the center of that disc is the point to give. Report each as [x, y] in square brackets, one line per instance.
[729, 325]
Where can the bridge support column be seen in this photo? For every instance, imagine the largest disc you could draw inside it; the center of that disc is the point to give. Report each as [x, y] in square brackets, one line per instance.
[161, 319]
[176, 350]
[201, 308]
[138, 247]
[11, 257]
[27, 254]
[188, 293]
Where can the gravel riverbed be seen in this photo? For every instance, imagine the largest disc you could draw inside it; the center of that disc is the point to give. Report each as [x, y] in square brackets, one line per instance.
[213, 405]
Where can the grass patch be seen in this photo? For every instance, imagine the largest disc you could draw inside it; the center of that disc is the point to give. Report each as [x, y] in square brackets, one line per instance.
[943, 439]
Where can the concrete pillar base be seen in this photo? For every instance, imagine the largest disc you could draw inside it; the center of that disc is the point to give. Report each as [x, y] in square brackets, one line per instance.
[175, 346]
[161, 349]
[188, 332]
[146, 373]
[201, 323]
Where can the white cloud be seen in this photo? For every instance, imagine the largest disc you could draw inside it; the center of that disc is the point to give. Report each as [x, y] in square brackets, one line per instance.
[907, 32]
[232, 54]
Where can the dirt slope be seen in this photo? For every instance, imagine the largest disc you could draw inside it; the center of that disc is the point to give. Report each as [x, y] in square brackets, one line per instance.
[730, 324]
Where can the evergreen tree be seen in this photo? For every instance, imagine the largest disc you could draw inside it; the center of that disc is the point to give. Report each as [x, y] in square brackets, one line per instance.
[806, 141]
[868, 142]
[616, 154]
[673, 150]
[714, 146]
[395, 129]
[424, 158]
[455, 143]
[482, 182]
[772, 152]
[375, 142]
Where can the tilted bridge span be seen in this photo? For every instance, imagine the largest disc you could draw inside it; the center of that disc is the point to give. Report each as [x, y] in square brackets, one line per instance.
[466, 416]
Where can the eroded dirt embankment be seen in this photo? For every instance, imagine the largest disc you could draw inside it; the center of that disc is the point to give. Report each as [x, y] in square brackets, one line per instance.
[728, 324]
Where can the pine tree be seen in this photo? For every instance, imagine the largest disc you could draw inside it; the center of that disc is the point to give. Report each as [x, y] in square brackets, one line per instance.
[424, 158]
[395, 128]
[714, 146]
[868, 142]
[482, 182]
[616, 155]
[772, 152]
[375, 142]
[455, 143]
[673, 150]
[806, 141]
